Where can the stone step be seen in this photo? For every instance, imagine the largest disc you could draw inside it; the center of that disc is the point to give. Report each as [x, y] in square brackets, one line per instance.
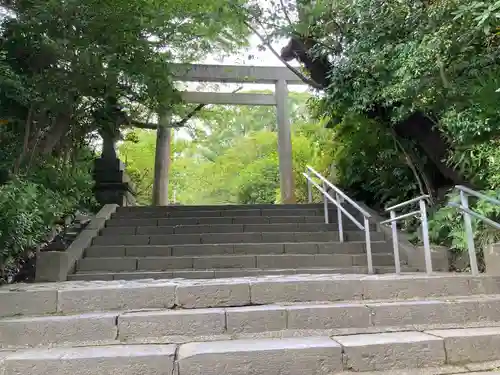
[166, 263]
[267, 356]
[120, 222]
[224, 249]
[222, 207]
[248, 212]
[181, 325]
[220, 238]
[225, 273]
[93, 360]
[71, 297]
[225, 228]
[318, 356]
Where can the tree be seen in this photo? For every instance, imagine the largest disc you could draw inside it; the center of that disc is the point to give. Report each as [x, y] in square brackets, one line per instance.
[408, 65]
[99, 62]
[70, 69]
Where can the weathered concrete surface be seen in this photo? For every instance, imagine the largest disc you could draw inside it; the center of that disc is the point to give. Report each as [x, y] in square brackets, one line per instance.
[244, 261]
[27, 301]
[314, 356]
[470, 345]
[111, 360]
[197, 322]
[388, 351]
[213, 294]
[45, 330]
[52, 266]
[327, 316]
[321, 318]
[492, 259]
[252, 319]
[98, 296]
[119, 297]
[352, 248]
[218, 273]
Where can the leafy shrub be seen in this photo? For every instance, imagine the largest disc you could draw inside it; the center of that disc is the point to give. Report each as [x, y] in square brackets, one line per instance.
[27, 211]
[446, 225]
[258, 182]
[31, 205]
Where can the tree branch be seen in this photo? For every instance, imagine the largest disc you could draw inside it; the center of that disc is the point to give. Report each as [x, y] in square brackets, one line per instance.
[179, 124]
[275, 53]
[286, 13]
[198, 108]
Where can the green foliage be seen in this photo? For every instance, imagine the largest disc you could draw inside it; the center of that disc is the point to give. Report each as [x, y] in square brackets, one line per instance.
[30, 205]
[258, 181]
[371, 165]
[138, 153]
[480, 164]
[70, 69]
[447, 225]
[28, 210]
[229, 155]
[394, 59]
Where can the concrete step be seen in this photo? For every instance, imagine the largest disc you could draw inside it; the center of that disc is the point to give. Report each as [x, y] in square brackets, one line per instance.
[166, 263]
[182, 325]
[225, 228]
[120, 222]
[222, 207]
[267, 356]
[220, 238]
[219, 213]
[240, 249]
[228, 272]
[102, 360]
[248, 212]
[70, 297]
[356, 353]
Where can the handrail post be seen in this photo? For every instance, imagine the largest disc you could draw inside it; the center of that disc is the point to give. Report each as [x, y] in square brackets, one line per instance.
[425, 237]
[469, 234]
[395, 243]
[369, 259]
[339, 219]
[325, 204]
[309, 188]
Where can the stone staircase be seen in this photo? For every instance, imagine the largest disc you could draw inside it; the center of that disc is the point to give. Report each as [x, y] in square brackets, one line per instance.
[245, 290]
[228, 241]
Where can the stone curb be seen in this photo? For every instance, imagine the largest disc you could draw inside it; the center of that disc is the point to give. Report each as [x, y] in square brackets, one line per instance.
[53, 266]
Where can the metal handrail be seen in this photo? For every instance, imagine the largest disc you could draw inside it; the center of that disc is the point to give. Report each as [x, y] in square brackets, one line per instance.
[406, 203]
[422, 214]
[339, 192]
[340, 197]
[467, 213]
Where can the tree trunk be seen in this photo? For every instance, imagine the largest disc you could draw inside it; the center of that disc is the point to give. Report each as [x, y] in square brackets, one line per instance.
[55, 133]
[421, 130]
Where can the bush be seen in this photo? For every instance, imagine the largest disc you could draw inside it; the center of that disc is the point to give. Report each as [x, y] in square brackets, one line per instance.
[446, 225]
[27, 211]
[31, 205]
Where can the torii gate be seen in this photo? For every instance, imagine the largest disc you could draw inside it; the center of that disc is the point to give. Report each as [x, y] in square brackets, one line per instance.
[279, 76]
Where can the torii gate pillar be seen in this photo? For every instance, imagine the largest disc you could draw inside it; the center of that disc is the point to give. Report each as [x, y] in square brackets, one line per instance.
[287, 183]
[162, 160]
